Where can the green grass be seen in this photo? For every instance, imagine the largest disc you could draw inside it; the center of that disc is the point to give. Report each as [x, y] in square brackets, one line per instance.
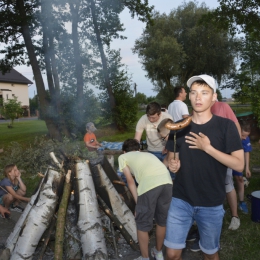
[243, 243]
[23, 132]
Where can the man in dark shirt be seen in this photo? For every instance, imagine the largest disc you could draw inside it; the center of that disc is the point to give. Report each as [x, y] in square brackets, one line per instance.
[205, 149]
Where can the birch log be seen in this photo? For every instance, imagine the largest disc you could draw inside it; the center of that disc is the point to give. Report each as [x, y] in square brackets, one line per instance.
[38, 220]
[119, 208]
[12, 239]
[60, 225]
[89, 221]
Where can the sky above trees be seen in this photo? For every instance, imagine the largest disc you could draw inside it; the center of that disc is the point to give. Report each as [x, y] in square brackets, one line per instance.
[134, 29]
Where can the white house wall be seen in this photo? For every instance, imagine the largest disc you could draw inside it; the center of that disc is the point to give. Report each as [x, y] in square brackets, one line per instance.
[9, 90]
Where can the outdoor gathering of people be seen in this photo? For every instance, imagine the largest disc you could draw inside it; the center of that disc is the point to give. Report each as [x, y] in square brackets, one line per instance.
[203, 156]
[183, 178]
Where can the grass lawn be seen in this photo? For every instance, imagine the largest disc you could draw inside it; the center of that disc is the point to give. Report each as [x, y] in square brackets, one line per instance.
[23, 132]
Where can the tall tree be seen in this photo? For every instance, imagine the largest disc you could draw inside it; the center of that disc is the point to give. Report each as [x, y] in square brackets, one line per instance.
[176, 47]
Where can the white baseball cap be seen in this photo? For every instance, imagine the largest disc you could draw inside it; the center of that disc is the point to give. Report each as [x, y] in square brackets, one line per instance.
[208, 79]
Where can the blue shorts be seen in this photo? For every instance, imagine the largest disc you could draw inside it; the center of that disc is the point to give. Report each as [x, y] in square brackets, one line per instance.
[235, 173]
[181, 216]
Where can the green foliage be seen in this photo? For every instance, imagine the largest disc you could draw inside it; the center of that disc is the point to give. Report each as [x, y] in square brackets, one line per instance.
[219, 95]
[34, 105]
[177, 47]
[141, 98]
[35, 157]
[11, 109]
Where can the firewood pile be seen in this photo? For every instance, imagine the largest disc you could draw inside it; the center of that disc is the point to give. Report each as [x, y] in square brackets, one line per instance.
[83, 206]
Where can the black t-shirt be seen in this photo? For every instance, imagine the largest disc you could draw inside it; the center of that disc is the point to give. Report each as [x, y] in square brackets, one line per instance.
[201, 178]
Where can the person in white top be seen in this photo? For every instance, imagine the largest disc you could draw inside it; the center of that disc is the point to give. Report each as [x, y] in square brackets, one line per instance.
[178, 109]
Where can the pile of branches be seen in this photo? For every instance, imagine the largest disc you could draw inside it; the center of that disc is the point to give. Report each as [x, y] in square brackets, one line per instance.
[74, 199]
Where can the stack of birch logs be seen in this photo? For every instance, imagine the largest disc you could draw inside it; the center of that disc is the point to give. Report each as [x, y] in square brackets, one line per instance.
[78, 195]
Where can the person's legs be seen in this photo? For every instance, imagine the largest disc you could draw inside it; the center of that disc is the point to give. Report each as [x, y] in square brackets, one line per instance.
[209, 221]
[232, 200]
[8, 200]
[211, 257]
[143, 239]
[179, 221]
[160, 235]
[240, 189]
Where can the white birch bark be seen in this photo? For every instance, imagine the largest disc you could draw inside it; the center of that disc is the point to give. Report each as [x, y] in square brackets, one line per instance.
[89, 221]
[119, 208]
[37, 220]
[12, 239]
[111, 160]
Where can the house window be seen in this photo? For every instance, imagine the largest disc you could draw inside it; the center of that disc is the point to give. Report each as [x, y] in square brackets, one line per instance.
[6, 96]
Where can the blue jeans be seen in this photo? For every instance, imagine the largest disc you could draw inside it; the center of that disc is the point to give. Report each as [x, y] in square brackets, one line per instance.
[161, 157]
[181, 216]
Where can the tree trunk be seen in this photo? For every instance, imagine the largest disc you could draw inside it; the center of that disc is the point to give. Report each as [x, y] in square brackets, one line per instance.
[103, 56]
[38, 219]
[60, 226]
[44, 104]
[89, 221]
[119, 208]
[78, 63]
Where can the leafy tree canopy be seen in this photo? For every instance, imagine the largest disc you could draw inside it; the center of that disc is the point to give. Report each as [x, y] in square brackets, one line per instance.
[177, 47]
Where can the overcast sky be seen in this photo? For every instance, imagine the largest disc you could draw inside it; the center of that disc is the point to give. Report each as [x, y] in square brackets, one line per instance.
[134, 29]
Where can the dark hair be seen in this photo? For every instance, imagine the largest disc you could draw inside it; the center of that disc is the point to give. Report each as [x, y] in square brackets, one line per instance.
[245, 127]
[153, 108]
[163, 107]
[177, 90]
[130, 145]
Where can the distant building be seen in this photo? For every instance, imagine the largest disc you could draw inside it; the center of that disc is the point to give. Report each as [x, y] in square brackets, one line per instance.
[13, 84]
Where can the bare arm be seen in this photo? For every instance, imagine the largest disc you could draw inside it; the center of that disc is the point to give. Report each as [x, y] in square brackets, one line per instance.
[184, 116]
[247, 159]
[131, 182]
[21, 184]
[235, 160]
[138, 136]
[15, 195]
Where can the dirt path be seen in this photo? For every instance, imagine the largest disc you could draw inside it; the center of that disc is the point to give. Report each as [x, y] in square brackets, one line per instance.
[124, 250]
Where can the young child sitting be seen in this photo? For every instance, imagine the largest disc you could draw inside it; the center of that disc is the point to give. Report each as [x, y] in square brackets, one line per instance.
[153, 195]
[12, 189]
[90, 139]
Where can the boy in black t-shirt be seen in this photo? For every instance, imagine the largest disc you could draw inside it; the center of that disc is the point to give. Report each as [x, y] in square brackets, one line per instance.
[206, 148]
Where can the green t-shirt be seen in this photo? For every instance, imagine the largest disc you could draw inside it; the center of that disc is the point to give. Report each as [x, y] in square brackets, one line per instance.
[148, 170]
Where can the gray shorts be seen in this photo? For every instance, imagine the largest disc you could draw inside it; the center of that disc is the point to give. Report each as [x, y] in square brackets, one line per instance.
[153, 204]
[229, 184]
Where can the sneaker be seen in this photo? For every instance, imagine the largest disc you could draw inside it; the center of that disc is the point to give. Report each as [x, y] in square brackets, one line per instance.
[195, 247]
[192, 235]
[16, 208]
[235, 223]
[243, 207]
[156, 255]
[139, 258]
